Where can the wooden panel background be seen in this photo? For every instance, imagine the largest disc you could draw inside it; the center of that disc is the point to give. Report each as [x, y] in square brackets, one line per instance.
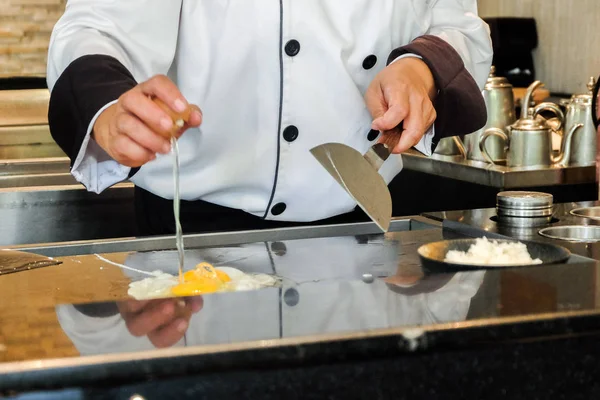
[25, 27]
[565, 60]
[568, 53]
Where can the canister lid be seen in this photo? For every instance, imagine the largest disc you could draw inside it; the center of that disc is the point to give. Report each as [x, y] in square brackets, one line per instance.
[530, 124]
[585, 99]
[496, 82]
[524, 200]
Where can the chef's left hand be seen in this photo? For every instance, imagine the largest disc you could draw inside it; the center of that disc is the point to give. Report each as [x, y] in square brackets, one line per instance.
[403, 91]
[163, 321]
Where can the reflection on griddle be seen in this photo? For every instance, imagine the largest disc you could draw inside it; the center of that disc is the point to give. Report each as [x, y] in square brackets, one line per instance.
[337, 285]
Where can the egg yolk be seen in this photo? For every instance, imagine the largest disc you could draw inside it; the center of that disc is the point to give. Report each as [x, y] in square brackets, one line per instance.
[203, 279]
[195, 288]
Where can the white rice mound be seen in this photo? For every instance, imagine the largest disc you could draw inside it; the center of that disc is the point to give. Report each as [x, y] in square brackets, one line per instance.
[491, 252]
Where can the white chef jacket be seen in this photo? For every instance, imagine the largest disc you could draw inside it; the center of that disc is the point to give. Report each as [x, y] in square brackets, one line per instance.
[228, 58]
[322, 292]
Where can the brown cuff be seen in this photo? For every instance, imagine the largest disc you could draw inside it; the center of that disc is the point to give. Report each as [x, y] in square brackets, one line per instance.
[459, 104]
[85, 86]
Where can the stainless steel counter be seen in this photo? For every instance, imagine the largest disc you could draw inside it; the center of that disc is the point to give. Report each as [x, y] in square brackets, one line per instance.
[484, 220]
[36, 172]
[335, 306]
[54, 170]
[156, 243]
[64, 213]
[496, 176]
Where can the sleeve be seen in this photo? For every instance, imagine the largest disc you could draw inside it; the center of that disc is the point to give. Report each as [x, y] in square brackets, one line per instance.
[94, 335]
[457, 48]
[97, 52]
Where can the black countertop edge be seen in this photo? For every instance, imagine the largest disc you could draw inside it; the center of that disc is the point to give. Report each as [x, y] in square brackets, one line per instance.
[481, 335]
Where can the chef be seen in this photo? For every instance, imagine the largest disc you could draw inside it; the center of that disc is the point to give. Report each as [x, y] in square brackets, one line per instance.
[323, 291]
[271, 80]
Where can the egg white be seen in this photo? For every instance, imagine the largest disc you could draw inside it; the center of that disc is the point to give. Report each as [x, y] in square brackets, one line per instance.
[160, 284]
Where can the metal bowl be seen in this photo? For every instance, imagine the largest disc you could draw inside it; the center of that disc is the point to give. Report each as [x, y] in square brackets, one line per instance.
[587, 212]
[573, 233]
[433, 255]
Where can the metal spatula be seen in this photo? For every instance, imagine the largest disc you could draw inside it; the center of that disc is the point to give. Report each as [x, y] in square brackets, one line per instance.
[358, 174]
[14, 261]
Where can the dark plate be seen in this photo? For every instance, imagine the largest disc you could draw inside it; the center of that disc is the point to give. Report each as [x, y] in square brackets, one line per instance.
[433, 254]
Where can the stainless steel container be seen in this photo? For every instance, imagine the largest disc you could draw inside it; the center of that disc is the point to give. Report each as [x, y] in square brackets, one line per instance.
[451, 146]
[579, 111]
[500, 104]
[587, 212]
[529, 140]
[524, 209]
[573, 233]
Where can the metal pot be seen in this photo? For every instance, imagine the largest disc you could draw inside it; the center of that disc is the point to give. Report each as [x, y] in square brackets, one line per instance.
[529, 140]
[500, 104]
[584, 142]
[451, 146]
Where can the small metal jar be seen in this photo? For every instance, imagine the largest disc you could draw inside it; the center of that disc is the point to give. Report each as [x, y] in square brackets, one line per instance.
[524, 209]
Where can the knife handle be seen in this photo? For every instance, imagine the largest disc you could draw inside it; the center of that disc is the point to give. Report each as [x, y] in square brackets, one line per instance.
[392, 137]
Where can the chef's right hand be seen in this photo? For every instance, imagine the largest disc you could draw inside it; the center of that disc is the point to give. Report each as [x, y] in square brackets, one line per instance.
[163, 321]
[135, 128]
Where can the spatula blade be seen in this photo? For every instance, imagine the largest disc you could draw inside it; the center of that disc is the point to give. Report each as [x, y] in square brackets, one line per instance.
[362, 182]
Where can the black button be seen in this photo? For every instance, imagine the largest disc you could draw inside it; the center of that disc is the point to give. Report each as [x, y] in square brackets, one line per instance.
[292, 48]
[291, 297]
[372, 135]
[290, 133]
[278, 209]
[278, 248]
[362, 239]
[370, 61]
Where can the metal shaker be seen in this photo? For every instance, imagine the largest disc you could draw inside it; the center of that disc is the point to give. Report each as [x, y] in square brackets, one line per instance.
[584, 141]
[500, 103]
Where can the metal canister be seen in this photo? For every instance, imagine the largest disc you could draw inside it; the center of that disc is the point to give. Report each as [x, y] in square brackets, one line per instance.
[524, 209]
[500, 104]
[584, 141]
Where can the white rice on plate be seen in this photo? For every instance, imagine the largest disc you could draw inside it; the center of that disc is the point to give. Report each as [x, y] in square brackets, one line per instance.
[492, 252]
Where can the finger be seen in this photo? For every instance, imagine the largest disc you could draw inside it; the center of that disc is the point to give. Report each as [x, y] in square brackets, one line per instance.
[187, 306]
[178, 118]
[131, 306]
[137, 103]
[375, 101]
[431, 116]
[397, 109]
[129, 153]
[152, 317]
[133, 127]
[414, 128]
[195, 303]
[170, 334]
[163, 88]
[194, 121]
[195, 116]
